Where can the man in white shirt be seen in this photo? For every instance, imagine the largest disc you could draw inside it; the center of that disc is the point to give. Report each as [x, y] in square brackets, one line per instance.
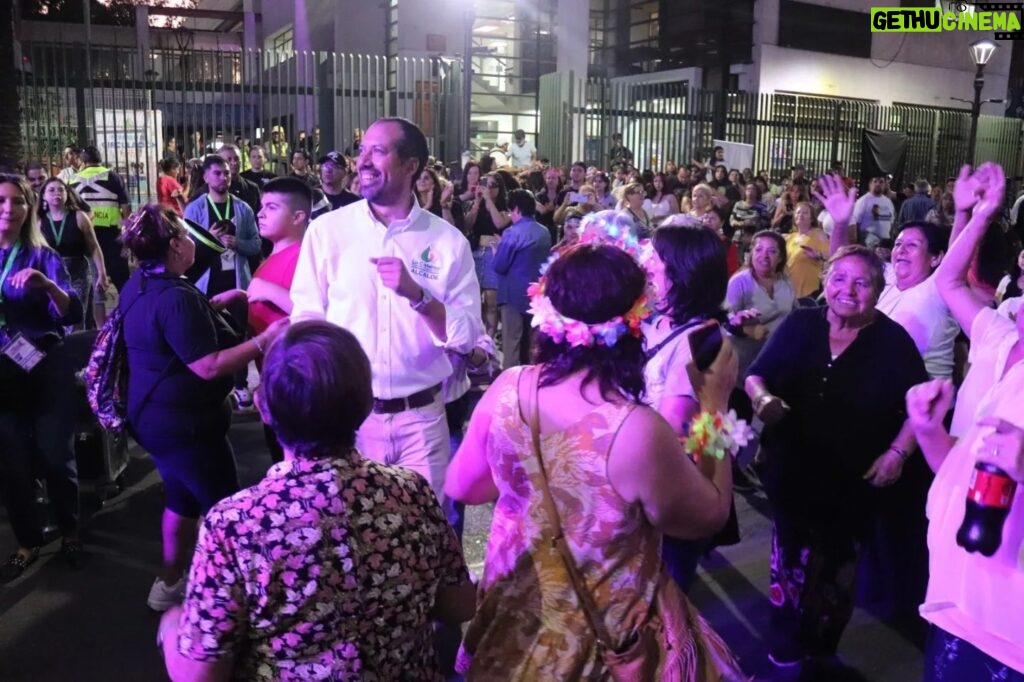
[500, 153]
[403, 281]
[522, 153]
[874, 213]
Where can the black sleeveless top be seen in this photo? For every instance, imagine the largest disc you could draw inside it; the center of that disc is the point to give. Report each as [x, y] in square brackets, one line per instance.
[72, 240]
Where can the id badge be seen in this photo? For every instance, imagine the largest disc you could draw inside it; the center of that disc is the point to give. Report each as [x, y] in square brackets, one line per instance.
[227, 260]
[23, 352]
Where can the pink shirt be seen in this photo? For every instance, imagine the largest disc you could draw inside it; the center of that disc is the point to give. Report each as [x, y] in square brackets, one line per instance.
[974, 597]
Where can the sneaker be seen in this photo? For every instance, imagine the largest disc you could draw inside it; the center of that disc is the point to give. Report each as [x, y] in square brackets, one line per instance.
[243, 399]
[163, 596]
[73, 553]
[16, 565]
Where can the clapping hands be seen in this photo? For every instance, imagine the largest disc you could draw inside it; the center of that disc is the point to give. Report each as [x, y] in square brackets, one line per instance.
[981, 190]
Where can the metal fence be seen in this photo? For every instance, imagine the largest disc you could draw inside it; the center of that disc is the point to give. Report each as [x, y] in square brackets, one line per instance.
[129, 104]
[670, 121]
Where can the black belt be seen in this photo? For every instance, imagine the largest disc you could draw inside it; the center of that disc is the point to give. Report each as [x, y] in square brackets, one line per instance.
[396, 405]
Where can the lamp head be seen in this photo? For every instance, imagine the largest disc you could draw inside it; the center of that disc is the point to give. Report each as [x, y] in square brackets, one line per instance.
[981, 51]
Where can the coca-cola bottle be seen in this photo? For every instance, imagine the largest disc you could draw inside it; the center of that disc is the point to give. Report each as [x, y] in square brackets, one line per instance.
[988, 504]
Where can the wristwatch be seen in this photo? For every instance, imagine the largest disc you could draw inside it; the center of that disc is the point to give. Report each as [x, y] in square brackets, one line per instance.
[425, 299]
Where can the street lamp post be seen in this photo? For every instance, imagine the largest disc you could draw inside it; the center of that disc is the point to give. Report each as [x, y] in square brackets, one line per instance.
[468, 18]
[981, 52]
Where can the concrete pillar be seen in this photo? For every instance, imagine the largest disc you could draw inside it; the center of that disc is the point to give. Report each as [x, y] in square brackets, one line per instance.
[572, 59]
[251, 40]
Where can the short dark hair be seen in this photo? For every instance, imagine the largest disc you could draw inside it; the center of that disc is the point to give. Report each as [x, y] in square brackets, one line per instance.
[695, 264]
[937, 238]
[580, 164]
[211, 160]
[594, 283]
[300, 152]
[524, 201]
[168, 165]
[413, 144]
[90, 154]
[298, 193]
[316, 391]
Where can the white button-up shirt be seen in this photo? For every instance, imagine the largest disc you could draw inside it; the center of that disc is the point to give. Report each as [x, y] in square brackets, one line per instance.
[335, 281]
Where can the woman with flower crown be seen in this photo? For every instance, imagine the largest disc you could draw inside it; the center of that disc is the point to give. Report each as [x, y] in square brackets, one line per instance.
[567, 449]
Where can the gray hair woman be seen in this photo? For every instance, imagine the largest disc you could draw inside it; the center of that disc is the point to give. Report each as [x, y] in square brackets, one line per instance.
[829, 385]
[286, 572]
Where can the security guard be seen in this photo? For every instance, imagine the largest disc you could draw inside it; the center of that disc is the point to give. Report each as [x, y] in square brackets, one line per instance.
[103, 189]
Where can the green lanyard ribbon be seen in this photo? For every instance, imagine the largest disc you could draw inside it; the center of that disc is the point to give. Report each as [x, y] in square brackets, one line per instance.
[216, 211]
[58, 234]
[12, 255]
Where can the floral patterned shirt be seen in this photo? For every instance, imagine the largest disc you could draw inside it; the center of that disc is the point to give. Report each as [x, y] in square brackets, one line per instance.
[325, 570]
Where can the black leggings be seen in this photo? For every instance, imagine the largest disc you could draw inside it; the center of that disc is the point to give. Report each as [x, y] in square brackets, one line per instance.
[37, 426]
[192, 452]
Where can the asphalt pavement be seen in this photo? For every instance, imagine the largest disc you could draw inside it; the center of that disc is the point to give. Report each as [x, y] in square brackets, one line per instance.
[93, 625]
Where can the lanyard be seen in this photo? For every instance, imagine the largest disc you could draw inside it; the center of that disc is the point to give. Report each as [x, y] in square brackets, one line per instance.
[58, 235]
[216, 211]
[12, 255]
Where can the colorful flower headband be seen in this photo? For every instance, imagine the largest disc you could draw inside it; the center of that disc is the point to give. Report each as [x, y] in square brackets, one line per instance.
[603, 227]
[560, 328]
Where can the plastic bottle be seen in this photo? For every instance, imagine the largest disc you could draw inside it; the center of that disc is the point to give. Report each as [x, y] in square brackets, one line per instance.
[988, 504]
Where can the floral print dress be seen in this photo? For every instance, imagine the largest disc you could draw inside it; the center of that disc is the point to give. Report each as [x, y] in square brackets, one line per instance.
[529, 624]
[325, 570]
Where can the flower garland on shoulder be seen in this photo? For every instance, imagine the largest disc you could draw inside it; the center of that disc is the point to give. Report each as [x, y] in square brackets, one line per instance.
[603, 227]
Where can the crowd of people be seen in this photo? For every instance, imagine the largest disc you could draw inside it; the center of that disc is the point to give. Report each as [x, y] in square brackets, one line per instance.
[368, 286]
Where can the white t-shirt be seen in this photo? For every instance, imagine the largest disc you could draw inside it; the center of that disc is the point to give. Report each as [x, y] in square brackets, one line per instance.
[921, 311]
[521, 155]
[971, 596]
[665, 373]
[992, 338]
[500, 158]
[877, 223]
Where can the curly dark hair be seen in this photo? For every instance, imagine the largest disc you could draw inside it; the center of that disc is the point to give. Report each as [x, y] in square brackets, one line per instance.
[594, 283]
